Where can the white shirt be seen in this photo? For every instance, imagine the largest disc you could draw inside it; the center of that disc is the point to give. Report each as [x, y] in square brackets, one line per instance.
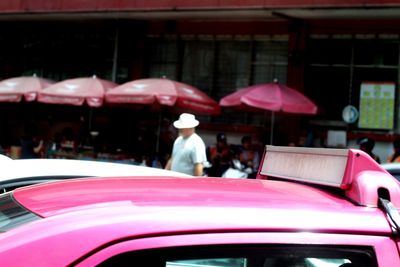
[187, 152]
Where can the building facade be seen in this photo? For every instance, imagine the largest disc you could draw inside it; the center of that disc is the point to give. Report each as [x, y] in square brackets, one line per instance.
[339, 53]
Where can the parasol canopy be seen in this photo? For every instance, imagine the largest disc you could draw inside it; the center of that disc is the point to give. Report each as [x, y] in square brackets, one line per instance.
[163, 92]
[24, 87]
[159, 92]
[77, 91]
[270, 96]
[274, 97]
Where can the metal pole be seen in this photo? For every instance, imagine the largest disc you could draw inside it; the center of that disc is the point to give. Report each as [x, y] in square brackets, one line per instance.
[115, 57]
[90, 118]
[271, 140]
[158, 133]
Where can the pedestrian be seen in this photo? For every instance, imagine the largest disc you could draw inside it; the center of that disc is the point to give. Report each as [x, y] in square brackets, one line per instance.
[249, 157]
[31, 146]
[395, 157]
[220, 156]
[367, 145]
[189, 150]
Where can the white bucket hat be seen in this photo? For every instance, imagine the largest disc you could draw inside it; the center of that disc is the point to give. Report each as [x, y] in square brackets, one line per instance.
[186, 120]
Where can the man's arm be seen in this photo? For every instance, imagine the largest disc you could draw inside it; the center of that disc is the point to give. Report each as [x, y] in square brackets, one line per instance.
[38, 147]
[168, 165]
[198, 169]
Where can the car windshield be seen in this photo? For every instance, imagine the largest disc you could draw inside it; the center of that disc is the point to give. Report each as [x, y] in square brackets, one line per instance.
[12, 214]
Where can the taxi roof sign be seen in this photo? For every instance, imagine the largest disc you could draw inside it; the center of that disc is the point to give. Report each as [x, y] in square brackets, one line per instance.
[331, 167]
[314, 165]
[361, 178]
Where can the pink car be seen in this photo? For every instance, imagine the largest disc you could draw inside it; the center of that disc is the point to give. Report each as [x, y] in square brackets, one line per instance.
[308, 208]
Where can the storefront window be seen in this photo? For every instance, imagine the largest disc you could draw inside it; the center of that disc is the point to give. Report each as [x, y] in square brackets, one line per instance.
[233, 70]
[198, 64]
[376, 52]
[270, 61]
[220, 66]
[163, 58]
[337, 67]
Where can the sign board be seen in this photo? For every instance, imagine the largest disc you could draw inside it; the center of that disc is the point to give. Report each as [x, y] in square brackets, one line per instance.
[314, 165]
[377, 105]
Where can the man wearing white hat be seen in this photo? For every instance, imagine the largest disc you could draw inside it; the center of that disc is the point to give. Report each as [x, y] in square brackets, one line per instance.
[189, 150]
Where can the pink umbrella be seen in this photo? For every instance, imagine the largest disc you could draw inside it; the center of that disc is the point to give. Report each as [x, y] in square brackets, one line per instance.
[270, 96]
[77, 91]
[27, 87]
[163, 92]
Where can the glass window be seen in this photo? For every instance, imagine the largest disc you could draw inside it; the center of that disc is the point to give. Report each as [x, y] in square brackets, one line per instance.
[233, 70]
[270, 61]
[12, 214]
[12, 184]
[329, 87]
[330, 52]
[57, 51]
[163, 59]
[249, 256]
[220, 66]
[223, 262]
[337, 68]
[374, 52]
[198, 64]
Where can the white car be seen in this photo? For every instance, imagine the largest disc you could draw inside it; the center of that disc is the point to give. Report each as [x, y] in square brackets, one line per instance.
[393, 169]
[23, 172]
[2, 157]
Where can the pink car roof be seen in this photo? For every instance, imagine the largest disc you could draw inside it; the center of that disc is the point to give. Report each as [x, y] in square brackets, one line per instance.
[287, 199]
[56, 198]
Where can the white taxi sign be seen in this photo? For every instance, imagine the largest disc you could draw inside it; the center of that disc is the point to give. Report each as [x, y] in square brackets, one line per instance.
[324, 166]
[314, 165]
[360, 177]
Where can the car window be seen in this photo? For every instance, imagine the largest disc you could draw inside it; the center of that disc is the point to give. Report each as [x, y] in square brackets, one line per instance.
[12, 214]
[11, 184]
[223, 262]
[249, 256]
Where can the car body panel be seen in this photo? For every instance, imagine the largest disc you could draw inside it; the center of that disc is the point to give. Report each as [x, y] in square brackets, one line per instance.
[103, 211]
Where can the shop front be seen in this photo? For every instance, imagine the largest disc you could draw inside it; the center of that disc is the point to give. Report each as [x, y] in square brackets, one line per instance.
[329, 52]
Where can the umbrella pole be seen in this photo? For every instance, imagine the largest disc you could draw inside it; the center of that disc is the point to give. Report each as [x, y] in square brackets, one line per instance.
[158, 132]
[90, 118]
[271, 140]
[115, 56]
